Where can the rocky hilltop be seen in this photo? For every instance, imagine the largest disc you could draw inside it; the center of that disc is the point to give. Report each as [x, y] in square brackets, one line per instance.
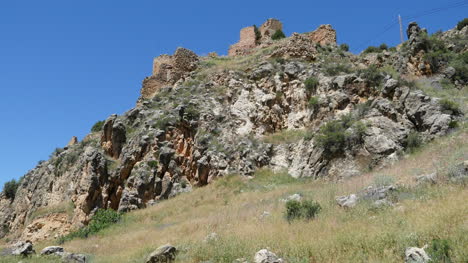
[300, 104]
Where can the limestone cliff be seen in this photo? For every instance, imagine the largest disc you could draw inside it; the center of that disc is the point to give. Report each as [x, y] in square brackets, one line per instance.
[203, 117]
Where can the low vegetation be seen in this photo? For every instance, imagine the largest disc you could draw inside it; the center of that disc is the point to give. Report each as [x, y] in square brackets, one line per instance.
[97, 127]
[233, 207]
[372, 75]
[66, 207]
[286, 136]
[333, 69]
[344, 47]
[278, 35]
[337, 135]
[413, 141]
[102, 219]
[311, 84]
[373, 49]
[305, 209]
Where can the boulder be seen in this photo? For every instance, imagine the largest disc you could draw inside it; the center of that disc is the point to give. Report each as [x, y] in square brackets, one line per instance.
[416, 255]
[163, 254]
[20, 248]
[389, 87]
[52, 250]
[266, 256]
[347, 201]
[377, 193]
[428, 178]
[72, 257]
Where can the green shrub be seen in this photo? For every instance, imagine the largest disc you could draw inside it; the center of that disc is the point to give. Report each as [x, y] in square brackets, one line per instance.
[450, 106]
[462, 24]
[258, 35]
[392, 49]
[311, 84]
[460, 64]
[331, 137]
[278, 35]
[413, 141]
[439, 251]
[372, 75]
[101, 219]
[363, 108]
[306, 209]
[344, 47]
[383, 46]
[10, 188]
[97, 127]
[313, 102]
[372, 49]
[453, 124]
[153, 164]
[334, 69]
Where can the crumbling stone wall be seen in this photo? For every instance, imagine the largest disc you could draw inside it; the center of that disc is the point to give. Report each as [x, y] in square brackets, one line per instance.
[248, 40]
[168, 69]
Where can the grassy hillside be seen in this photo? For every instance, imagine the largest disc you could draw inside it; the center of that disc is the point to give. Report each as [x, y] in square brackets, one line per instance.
[233, 207]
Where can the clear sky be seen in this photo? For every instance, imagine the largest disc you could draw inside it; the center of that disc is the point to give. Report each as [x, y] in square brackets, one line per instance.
[66, 64]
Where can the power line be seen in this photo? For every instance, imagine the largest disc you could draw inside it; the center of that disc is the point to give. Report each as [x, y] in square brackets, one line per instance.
[414, 16]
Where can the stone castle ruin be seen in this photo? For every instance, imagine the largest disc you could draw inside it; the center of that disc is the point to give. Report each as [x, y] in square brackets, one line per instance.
[250, 39]
[168, 69]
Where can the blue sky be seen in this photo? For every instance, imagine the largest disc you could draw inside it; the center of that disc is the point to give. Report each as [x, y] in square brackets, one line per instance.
[66, 64]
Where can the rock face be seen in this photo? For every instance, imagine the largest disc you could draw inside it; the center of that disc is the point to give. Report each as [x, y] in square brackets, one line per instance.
[167, 70]
[163, 254]
[184, 135]
[249, 38]
[324, 35]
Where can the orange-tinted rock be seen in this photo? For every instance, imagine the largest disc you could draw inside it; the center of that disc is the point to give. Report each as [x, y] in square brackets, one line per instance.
[324, 35]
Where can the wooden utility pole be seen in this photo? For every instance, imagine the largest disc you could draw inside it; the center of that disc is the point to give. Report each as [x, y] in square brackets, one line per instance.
[401, 29]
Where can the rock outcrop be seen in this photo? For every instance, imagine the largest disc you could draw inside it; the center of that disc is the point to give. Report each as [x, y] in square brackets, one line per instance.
[323, 35]
[194, 126]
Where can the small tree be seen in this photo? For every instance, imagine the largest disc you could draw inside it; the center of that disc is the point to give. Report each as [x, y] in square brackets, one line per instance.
[344, 47]
[97, 127]
[278, 35]
[462, 24]
[10, 188]
[258, 35]
[383, 46]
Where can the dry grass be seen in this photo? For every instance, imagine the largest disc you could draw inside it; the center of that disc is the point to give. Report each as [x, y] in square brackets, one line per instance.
[286, 136]
[232, 208]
